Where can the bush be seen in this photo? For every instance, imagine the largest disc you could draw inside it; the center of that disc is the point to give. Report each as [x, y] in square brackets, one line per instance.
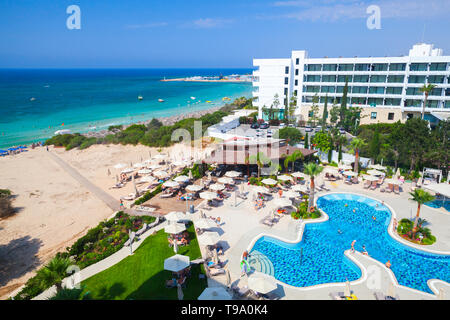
[148, 195]
[6, 207]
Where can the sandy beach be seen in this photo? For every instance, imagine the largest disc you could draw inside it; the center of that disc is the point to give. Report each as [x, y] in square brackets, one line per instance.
[54, 208]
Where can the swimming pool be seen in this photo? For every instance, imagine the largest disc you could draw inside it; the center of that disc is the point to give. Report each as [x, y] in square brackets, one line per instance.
[440, 203]
[319, 258]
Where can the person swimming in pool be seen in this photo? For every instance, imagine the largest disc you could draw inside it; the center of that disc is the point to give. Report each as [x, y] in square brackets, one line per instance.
[339, 231]
[353, 246]
[374, 218]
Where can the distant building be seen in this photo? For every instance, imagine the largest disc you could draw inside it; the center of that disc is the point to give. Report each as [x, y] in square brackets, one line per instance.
[386, 88]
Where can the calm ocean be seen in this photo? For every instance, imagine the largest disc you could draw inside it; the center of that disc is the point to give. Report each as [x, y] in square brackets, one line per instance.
[34, 103]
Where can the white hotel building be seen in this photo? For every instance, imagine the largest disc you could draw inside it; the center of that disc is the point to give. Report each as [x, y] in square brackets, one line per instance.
[386, 88]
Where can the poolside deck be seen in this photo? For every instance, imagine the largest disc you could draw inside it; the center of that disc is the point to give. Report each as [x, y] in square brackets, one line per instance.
[241, 224]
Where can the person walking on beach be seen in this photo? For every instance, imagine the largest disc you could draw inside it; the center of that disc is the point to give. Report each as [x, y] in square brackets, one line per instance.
[121, 205]
[47, 148]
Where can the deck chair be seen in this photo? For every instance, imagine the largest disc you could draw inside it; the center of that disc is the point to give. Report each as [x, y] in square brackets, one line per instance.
[381, 296]
[366, 185]
[373, 186]
[389, 188]
[396, 189]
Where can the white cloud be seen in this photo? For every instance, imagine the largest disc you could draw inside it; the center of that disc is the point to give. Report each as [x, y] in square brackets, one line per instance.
[210, 22]
[334, 10]
[147, 25]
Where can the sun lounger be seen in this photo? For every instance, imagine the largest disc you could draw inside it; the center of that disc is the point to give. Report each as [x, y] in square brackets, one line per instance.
[118, 186]
[268, 221]
[381, 296]
[347, 181]
[373, 186]
[145, 209]
[396, 189]
[142, 230]
[129, 197]
[215, 271]
[366, 185]
[270, 296]
[167, 195]
[390, 188]
[338, 295]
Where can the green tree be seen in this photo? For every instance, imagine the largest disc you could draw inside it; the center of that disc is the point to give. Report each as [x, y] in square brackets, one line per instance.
[314, 111]
[307, 141]
[334, 113]
[426, 89]
[325, 111]
[53, 273]
[296, 155]
[417, 140]
[343, 110]
[260, 159]
[439, 153]
[356, 145]
[293, 135]
[312, 170]
[375, 145]
[291, 109]
[420, 196]
[322, 141]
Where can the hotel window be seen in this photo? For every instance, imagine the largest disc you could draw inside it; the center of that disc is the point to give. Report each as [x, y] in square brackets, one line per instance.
[413, 92]
[311, 78]
[295, 92]
[436, 79]
[308, 99]
[329, 67]
[362, 67]
[358, 89]
[286, 70]
[413, 103]
[358, 100]
[379, 67]
[329, 78]
[394, 90]
[285, 91]
[438, 67]
[330, 89]
[373, 115]
[314, 67]
[285, 101]
[436, 92]
[447, 104]
[416, 79]
[376, 90]
[286, 80]
[312, 88]
[378, 79]
[296, 72]
[345, 67]
[397, 67]
[345, 78]
[361, 79]
[390, 116]
[297, 61]
[373, 102]
[396, 79]
[392, 102]
[432, 104]
[447, 92]
[296, 82]
[418, 67]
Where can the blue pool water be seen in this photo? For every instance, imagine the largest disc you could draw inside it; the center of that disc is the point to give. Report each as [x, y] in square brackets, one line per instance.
[440, 203]
[322, 247]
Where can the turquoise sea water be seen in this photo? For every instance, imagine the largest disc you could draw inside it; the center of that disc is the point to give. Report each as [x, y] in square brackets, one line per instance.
[86, 98]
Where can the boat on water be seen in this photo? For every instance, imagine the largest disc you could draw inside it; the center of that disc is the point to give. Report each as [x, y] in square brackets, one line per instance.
[193, 98]
[226, 99]
[32, 99]
[140, 98]
[207, 101]
[160, 100]
[64, 131]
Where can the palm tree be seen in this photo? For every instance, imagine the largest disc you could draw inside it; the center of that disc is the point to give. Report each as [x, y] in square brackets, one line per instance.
[260, 159]
[420, 196]
[426, 89]
[312, 169]
[54, 272]
[296, 155]
[355, 146]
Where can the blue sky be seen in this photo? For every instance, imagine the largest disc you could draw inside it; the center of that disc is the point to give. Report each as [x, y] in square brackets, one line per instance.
[199, 33]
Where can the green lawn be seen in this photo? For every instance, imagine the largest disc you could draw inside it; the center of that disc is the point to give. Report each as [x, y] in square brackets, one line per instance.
[142, 275]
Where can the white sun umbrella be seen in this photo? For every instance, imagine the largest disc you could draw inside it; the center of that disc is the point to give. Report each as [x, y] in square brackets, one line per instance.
[154, 166]
[127, 170]
[299, 187]
[347, 291]
[171, 184]
[175, 216]
[370, 178]
[375, 172]
[269, 181]
[190, 175]
[194, 188]
[217, 187]
[176, 263]
[178, 163]
[120, 166]
[350, 173]
[159, 156]
[215, 293]
[208, 195]
[225, 180]
[377, 167]
[205, 223]
[298, 175]
[397, 173]
[290, 194]
[346, 167]
[261, 282]
[148, 179]
[282, 202]
[145, 171]
[392, 181]
[160, 174]
[181, 179]
[261, 189]
[332, 171]
[284, 178]
[232, 174]
[175, 228]
[208, 238]
[139, 165]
